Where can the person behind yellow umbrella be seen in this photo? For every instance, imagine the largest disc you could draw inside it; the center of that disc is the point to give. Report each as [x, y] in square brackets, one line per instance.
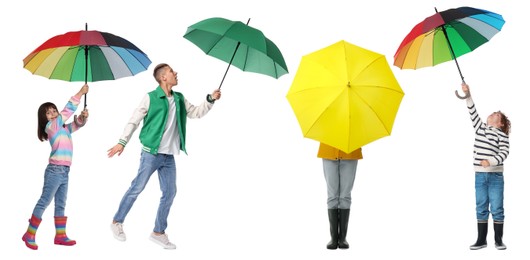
[339, 172]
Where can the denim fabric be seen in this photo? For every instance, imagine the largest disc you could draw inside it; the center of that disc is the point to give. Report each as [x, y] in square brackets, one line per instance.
[167, 176]
[489, 193]
[55, 186]
[340, 175]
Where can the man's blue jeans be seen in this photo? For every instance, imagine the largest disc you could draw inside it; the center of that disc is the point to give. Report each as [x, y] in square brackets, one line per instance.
[489, 192]
[167, 177]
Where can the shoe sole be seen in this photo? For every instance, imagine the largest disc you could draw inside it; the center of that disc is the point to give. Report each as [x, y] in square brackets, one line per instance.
[160, 243]
[122, 239]
[30, 246]
[65, 243]
[478, 247]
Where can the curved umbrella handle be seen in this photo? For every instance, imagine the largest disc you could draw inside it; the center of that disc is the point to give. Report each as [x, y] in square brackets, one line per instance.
[461, 97]
[77, 123]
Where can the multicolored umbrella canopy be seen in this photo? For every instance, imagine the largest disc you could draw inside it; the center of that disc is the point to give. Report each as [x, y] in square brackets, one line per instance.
[445, 36]
[345, 96]
[87, 56]
[238, 44]
[109, 57]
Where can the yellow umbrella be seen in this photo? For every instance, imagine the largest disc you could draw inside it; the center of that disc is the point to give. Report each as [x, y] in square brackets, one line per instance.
[345, 96]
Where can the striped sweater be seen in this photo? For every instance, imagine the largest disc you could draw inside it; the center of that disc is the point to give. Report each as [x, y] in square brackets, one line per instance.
[59, 134]
[491, 143]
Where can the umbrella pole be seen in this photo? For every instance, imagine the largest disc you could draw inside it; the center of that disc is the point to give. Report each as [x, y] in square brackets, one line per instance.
[231, 59]
[233, 55]
[86, 62]
[86, 75]
[454, 58]
[86, 69]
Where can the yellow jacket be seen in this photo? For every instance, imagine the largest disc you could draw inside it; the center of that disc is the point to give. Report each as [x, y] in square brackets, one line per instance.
[328, 152]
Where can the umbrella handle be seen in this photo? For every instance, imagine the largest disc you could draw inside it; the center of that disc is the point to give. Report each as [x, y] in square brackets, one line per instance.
[77, 123]
[456, 91]
[461, 97]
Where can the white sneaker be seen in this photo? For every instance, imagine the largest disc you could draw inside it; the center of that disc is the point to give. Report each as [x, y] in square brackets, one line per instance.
[117, 231]
[162, 240]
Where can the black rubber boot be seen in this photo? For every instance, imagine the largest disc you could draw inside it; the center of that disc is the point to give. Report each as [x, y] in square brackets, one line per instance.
[333, 215]
[482, 234]
[499, 230]
[344, 217]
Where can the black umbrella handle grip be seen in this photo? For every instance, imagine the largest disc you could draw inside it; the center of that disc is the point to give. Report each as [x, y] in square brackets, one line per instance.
[461, 97]
[77, 122]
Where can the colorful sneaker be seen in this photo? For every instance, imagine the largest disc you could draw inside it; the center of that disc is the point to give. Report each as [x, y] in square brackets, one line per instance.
[162, 240]
[117, 231]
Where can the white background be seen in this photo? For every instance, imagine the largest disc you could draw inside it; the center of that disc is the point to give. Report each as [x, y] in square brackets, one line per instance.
[251, 187]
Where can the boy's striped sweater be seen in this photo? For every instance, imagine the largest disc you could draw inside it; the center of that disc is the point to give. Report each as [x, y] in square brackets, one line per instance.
[491, 143]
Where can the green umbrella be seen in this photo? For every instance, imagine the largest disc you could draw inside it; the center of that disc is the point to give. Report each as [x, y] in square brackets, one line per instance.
[239, 44]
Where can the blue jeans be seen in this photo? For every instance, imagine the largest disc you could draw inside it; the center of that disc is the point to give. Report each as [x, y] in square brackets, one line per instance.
[489, 193]
[340, 175]
[55, 186]
[167, 176]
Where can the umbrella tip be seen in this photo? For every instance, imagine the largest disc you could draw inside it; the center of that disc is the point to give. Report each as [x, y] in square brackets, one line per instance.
[435, 9]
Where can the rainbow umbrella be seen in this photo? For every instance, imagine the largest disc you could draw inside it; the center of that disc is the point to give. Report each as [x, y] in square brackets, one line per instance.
[445, 36]
[87, 56]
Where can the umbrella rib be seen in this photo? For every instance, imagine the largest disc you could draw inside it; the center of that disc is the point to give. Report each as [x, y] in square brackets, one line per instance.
[217, 42]
[135, 58]
[320, 114]
[370, 107]
[373, 112]
[349, 114]
[213, 45]
[246, 56]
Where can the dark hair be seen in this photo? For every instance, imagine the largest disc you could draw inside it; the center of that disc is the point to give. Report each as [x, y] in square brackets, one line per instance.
[156, 71]
[506, 124]
[43, 120]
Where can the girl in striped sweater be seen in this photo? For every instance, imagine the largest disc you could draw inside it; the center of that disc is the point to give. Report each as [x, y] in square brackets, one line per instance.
[52, 127]
[491, 148]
